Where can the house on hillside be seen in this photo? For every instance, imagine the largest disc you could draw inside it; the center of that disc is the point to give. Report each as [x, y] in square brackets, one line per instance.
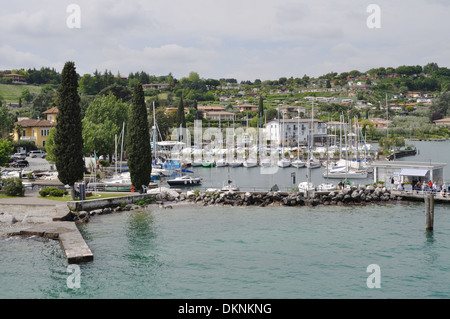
[247, 107]
[33, 130]
[219, 115]
[444, 123]
[210, 108]
[36, 130]
[16, 78]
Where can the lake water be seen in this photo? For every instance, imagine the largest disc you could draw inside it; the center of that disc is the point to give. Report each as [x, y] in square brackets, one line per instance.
[245, 252]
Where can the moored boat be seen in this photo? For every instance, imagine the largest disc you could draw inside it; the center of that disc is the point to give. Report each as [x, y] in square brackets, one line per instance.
[184, 181]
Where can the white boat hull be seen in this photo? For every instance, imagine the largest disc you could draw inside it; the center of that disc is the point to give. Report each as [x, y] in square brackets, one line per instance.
[250, 164]
[283, 163]
[349, 174]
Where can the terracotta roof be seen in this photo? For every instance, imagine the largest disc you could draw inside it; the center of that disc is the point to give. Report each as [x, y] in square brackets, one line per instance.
[444, 120]
[210, 107]
[36, 123]
[53, 110]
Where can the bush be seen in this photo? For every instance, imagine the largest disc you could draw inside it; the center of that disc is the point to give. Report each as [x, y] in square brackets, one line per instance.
[104, 163]
[53, 191]
[13, 187]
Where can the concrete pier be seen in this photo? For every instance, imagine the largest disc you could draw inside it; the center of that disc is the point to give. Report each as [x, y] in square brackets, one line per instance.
[73, 244]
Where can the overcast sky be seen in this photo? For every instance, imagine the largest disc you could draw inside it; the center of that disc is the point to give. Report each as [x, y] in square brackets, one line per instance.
[242, 39]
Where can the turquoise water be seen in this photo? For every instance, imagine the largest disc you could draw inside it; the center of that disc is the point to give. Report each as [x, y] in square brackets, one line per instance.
[246, 252]
[242, 252]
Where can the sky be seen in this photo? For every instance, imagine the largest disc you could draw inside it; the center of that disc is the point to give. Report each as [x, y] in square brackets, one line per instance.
[241, 39]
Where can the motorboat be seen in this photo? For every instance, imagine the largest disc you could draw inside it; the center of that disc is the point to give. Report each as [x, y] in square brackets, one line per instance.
[184, 181]
[305, 187]
[344, 172]
[326, 187]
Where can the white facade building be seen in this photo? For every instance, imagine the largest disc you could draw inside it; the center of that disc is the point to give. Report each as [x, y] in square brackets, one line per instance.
[292, 131]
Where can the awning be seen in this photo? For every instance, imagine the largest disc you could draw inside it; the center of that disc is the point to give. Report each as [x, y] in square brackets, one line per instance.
[413, 172]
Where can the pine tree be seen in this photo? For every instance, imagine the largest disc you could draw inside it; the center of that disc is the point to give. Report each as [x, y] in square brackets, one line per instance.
[68, 149]
[181, 119]
[138, 141]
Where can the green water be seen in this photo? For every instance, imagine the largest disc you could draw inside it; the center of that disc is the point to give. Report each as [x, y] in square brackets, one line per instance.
[236, 252]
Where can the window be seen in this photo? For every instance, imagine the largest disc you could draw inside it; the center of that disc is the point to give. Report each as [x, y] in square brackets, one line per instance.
[45, 131]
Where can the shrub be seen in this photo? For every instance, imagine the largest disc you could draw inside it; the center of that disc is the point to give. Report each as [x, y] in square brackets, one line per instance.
[13, 187]
[53, 191]
[104, 163]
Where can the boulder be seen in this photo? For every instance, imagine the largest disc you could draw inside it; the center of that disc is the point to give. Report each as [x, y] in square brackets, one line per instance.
[8, 219]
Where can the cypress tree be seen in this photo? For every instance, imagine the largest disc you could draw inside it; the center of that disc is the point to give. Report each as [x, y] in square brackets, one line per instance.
[181, 119]
[260, 107]
[138, 141]
[68, 149]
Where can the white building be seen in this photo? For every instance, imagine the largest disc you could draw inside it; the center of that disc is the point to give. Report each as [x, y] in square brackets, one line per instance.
[292, 131]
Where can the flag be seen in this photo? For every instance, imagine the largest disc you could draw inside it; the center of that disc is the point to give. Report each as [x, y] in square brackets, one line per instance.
[97, 161]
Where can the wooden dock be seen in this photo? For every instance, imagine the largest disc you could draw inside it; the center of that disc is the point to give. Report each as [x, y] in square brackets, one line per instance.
[420, 196]
[73, 244]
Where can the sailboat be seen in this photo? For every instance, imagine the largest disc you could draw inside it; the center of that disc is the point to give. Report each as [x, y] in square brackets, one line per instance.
[306, 187]
[229, 186]
[282, 162]
[298, 163]
[250, 162]
[344, 167]
[221, 162]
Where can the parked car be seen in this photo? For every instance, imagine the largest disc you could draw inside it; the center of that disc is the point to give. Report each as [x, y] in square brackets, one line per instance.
[19, 156]
[20, 163]
[38, 153]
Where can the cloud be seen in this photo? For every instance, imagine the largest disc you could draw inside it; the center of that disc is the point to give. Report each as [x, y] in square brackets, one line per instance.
[248, 39]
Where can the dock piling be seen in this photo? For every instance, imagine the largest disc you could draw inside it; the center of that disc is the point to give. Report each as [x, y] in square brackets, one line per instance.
[429, 212]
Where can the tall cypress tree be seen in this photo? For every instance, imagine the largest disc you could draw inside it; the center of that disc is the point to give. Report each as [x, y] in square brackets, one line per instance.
[181, 119]
[260, 107]
[138, 141]
[68, 149]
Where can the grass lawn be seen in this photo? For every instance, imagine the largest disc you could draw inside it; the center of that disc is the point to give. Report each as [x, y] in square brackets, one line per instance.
[67, 198]
[6, 196]
[11, 92]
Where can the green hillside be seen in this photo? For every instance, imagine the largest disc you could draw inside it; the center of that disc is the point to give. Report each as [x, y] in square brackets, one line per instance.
[11, 92]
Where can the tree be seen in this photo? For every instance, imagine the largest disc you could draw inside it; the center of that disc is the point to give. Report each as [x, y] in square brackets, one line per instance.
[260, 107]
[68, 148]
[181, 119]
[50, 146]
[138, 141]
[5, 149]
[441, 104]
[103, 120]
[6, 122]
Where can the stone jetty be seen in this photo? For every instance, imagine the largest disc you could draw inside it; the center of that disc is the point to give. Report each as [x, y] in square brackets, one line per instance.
[350, 195]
